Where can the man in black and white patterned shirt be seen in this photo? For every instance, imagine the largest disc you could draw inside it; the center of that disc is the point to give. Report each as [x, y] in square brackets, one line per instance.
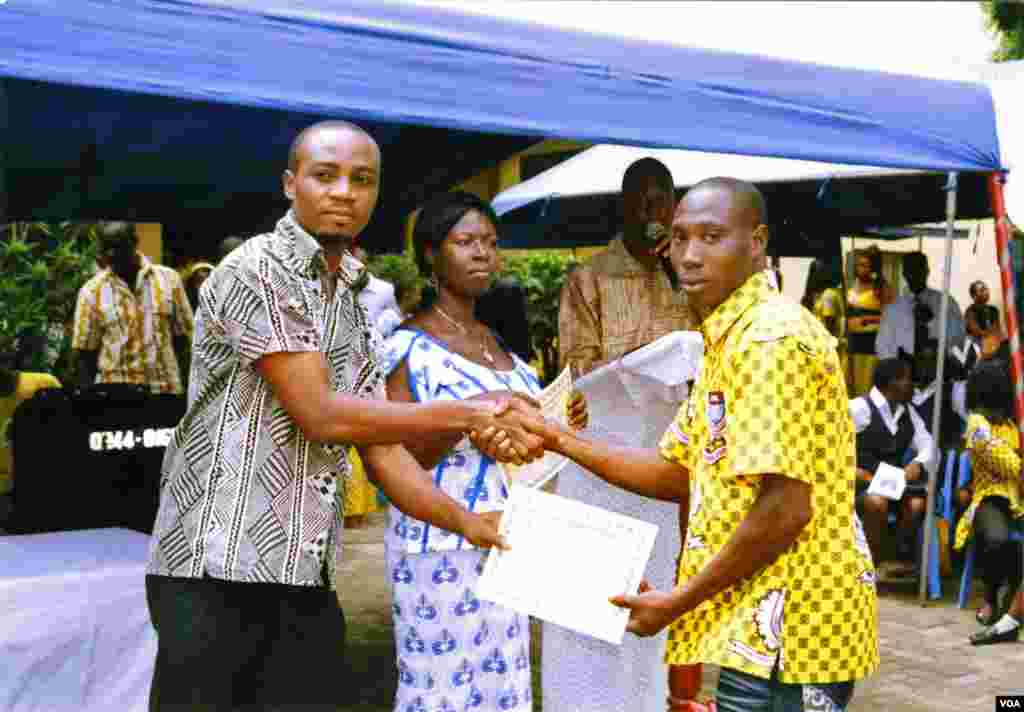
[284, 378]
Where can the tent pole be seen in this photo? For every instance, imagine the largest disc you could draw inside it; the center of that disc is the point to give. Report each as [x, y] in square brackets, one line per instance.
[995, 188]
[947, 270]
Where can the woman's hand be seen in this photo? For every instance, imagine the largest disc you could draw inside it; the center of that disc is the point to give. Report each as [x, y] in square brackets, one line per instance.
[481, 530]
[576, 410]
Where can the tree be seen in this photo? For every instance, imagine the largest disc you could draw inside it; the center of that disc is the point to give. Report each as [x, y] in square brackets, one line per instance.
[542, 275]
[1006, 19]
[401, 271]
[42, 267]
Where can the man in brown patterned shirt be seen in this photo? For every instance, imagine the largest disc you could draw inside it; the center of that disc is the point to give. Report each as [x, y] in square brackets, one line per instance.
[621, 299]
[284, 378]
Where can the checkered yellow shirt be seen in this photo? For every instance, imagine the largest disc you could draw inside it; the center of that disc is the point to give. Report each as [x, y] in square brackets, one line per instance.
[771, 399]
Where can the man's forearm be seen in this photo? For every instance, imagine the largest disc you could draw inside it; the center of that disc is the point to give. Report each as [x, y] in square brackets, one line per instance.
[642, 471]
[410, 488]
[772, 526]
[348, 419]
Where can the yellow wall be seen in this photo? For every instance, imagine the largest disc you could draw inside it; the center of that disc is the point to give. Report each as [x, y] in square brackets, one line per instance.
[506, 174]
[151, 242]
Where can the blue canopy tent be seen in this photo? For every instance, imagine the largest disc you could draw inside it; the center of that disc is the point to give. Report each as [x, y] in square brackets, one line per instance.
[180, 111]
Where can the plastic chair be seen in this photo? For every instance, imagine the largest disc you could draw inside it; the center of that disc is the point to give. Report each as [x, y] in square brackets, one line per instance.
[967, 577]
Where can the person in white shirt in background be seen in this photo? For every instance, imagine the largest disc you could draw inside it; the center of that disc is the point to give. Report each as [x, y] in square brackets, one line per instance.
[378, 298]
[917, 313]
[887, 428]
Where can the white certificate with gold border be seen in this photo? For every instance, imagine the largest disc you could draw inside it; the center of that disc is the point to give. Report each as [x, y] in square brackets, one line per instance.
[566, 560]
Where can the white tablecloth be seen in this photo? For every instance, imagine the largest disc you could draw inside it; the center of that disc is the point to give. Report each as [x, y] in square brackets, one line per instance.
[74, 627]
[631, 402]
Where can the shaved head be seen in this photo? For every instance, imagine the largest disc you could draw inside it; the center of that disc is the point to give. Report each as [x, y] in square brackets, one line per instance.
[298, 147]
[746, 196]
[718, 240]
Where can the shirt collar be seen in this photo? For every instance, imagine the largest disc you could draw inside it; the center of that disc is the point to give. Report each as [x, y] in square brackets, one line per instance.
[629, 263]
[884, 406]
[717, 324]
[145, 267]
[303, 254]
[921, 395]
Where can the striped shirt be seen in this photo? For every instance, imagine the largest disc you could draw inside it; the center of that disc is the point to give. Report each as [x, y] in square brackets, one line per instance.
[244, 496]
[133, 329]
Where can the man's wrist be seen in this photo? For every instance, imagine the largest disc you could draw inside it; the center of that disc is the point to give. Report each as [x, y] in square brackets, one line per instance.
[561, 439]
[682, 601]
[468, 414]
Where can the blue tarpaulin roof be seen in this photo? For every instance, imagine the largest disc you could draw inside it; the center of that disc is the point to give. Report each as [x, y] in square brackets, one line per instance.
[161, 110]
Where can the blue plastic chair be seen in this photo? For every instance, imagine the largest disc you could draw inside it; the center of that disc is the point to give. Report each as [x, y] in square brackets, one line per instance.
[934, 556]
[967, 577]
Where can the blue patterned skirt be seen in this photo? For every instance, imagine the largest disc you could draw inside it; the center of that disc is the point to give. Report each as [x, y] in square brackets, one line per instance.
[455, 651]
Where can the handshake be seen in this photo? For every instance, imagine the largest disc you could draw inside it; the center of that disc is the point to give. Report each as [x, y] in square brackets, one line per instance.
[514, 430]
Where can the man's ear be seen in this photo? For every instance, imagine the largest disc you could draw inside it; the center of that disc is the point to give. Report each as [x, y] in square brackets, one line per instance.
[760, 240]
[288, 183]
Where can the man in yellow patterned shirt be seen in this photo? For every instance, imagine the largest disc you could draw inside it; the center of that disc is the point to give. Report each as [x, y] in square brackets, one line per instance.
[133, 321]
[776, 583]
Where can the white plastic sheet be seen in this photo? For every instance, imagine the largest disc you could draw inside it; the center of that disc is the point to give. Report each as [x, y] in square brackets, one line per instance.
[74, 628]
[631, 401]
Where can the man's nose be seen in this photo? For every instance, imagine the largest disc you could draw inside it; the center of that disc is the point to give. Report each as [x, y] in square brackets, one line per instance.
[481, 251]
[341, 188]
[689, 253]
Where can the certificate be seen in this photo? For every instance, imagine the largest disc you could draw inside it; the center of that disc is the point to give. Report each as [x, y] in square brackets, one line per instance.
[553, 401]
[888, 482]
[566, 560]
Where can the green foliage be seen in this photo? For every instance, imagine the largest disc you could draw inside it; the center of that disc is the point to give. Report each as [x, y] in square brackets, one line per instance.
[42, 267]
[542, 275]
[1006, 19]
[401, 271]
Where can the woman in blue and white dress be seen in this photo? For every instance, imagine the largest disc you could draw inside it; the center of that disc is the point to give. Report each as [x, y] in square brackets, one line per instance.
[455, 651]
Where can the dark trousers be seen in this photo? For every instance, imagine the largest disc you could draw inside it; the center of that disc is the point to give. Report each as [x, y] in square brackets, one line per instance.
[998, 558]
[740, 692]
[224, 645]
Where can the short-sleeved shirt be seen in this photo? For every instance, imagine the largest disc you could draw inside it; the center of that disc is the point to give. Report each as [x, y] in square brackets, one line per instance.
[244, 496]
[465, 474]
[612, 304]
[771, 399]
[133, 329]
[995, 469]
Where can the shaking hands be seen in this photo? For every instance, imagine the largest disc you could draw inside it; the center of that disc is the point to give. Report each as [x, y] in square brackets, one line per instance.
[518, 432]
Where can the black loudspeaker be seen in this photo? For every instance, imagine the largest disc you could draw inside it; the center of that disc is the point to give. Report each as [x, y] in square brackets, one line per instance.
[90, 458]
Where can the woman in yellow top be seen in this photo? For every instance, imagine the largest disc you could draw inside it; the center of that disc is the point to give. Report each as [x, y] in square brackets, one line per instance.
[865, 301]
[994, 491]
[823, 297]
[15, 388]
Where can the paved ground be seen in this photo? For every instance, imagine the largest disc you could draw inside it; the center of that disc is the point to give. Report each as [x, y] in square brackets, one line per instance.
[927, 664]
